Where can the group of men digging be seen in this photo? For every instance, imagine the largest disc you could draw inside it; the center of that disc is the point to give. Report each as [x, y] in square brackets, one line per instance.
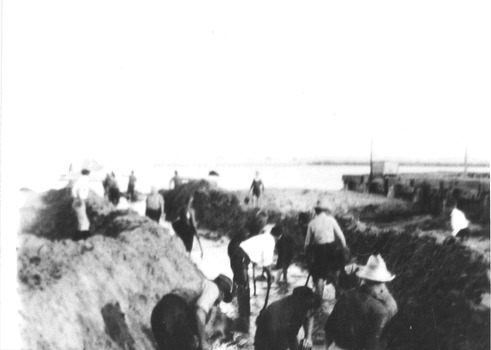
[356, 322]
[360, 314]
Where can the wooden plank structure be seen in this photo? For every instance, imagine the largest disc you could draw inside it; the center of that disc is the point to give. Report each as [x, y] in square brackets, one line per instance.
[430, 191]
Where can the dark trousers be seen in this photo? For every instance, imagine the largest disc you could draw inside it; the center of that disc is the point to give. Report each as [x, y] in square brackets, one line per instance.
[131, 192]
[463, 234]
[153, 214]
[81, 235]
[114, 195]
[239, 262]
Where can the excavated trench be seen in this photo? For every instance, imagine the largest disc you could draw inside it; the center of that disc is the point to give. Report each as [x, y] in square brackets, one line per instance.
[440, 283]
[439, 287]
[99, 293]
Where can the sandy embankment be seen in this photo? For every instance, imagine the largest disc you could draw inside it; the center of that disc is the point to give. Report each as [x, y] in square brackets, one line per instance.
[73, 293]
[98, 293]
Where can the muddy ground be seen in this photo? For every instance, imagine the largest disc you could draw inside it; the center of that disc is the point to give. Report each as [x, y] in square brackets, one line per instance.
[98, 293]
[442, 285]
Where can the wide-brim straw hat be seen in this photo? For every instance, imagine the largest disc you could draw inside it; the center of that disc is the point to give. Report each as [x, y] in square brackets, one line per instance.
[375, 270]
[323, 204]
[225, 285]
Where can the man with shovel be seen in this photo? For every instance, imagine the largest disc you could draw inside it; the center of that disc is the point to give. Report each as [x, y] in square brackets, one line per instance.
[259, 250]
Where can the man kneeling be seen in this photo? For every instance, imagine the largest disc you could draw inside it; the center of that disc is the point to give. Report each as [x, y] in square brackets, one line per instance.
[179, 326]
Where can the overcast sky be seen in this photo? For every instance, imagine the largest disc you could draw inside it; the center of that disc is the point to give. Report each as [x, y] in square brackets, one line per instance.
[166, 81]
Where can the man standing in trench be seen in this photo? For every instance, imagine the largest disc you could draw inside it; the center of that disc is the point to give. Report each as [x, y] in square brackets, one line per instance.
[259, 250]
[320, 248]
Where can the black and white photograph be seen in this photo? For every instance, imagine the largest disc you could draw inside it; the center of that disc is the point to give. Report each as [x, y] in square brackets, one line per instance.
[260, 175]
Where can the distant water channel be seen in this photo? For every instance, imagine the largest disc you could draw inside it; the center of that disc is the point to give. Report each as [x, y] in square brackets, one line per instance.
[232, 177]
[319, 177]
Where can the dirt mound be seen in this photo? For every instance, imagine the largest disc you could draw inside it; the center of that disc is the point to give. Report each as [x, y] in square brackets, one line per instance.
[177, 198]
[380, 213]
[216, 210]
[49, 215]
[222, 213]
[98, 293]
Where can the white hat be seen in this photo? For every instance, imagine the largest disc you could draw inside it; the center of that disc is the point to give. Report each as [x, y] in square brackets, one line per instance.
[375, 270]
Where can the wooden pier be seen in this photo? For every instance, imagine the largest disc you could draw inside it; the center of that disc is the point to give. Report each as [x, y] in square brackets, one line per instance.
[430, 191]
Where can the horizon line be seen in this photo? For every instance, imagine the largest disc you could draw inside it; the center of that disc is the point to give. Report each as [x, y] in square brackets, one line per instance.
[328, 162]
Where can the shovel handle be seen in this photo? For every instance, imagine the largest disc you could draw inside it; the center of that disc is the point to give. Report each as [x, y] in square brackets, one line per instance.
[254, 277]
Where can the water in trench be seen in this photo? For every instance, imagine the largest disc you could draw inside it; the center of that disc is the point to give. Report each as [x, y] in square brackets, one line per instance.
[215, 261]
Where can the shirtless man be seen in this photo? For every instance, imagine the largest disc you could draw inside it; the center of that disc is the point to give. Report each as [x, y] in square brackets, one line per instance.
[320, 248]
[175, 181]
[176, 325]
[154, 205]
[257, 188]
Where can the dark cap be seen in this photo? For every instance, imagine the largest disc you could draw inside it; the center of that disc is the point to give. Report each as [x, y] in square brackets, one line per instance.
[225, 285]
[310, 300]
[276, 231]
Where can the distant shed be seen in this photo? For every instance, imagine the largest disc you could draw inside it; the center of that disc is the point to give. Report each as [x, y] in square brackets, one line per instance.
[385, 168]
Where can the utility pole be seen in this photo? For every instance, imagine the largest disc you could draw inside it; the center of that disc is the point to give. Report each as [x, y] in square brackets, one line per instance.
[371, 162]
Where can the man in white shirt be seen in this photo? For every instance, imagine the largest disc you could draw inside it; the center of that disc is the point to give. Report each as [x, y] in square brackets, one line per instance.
[80, 193]
[460, 224]
[258, 249]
